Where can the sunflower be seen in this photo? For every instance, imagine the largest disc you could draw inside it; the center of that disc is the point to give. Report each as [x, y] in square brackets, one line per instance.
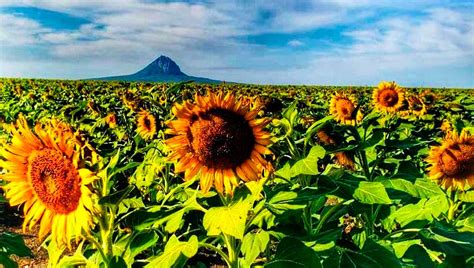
[446, 126]
[388, 97]
[428, 97]
[92, 107]
[343, 158]
[163, 100]
[219, 139]
[344, 109]
[146, 125]
[130, 100]
[43, 174]
[417, 106]
[111, 120]
[452, 163]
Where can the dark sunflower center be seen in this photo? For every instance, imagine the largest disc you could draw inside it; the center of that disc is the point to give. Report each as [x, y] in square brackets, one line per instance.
[457, 160]
[147, 123]
[55, 180]
[345, 108]
[388, 97]
[221, 139]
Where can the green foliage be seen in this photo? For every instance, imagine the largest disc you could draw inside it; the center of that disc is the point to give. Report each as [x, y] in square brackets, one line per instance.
[175, 253]
[12, 244]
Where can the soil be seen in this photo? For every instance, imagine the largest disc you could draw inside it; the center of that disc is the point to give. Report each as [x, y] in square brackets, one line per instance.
[10, 221]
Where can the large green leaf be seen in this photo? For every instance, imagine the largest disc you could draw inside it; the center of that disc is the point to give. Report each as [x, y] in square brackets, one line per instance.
[467, 196]
[142, 242]
[308, 165]
[448, 241]
[371, 193]
[253, 244]
[425, 209]
[116, 197]
[6, 261]
[291, 252]
[228, 220]
[286, 200]
[148, 170]
[371, 255]
[422, 188]
[13, 244]
[157, 216]
[400, 248]
[175, 253]
[466, 225]
[427, 189]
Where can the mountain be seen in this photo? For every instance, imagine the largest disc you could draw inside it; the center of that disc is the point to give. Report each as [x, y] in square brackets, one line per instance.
[163, 69]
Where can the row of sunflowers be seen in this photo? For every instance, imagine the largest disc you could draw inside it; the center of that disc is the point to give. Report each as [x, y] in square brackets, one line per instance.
[157, 175]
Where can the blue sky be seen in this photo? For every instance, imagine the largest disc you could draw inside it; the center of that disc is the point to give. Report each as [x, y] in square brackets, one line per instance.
[339, 42]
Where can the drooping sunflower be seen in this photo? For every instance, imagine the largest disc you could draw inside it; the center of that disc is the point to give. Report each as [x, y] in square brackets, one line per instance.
[163, 100]
[388, 97]
[343, 158]
[446, 127]
[219, 139]
[111, 120]
[344, 109]
[429, 97]
[417, 106]
[44, 175]
[146, 125]
[452, 163]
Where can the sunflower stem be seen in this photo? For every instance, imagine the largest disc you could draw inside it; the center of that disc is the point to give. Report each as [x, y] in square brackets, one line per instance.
[233, 253]
[325, 218]
[218, 251]
[453, 205]
[99, 248]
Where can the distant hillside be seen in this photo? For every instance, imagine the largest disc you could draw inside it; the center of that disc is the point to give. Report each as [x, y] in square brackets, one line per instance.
[163, 69]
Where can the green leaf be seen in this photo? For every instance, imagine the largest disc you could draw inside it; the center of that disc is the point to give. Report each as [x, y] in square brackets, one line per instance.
[291, 252]
[14, 244]
[75, 260]
[117, 262]
[253, 244]
[286, 200]
[425, 209]
[422, 188]
[6, 261]
[466, 225]
[371, 255]
[157, 216]
[175, 253]
[228, 220]
[128, 203]
[147, 171]
[447, 241]
[308, 165]
[427, 188]
[400, 185]
[113, 162]
[371, 193]
[401, 248]
[467, 196]
[384, 257]
[115, 198]
[142, 242]
[285, 171]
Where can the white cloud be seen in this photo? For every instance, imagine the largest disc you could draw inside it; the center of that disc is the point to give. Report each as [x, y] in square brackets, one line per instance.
[295, 43]
[17, 31]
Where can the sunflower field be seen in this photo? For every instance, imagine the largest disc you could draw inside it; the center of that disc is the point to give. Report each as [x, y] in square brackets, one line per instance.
[116, 174]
